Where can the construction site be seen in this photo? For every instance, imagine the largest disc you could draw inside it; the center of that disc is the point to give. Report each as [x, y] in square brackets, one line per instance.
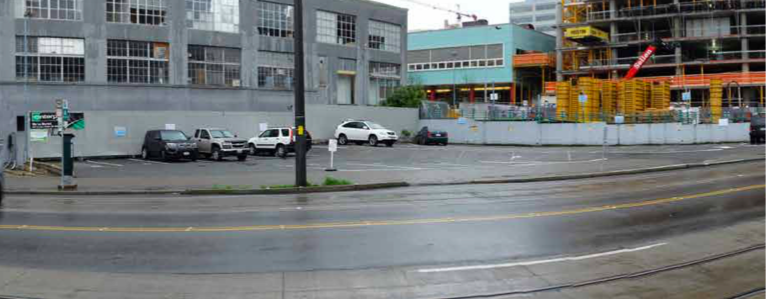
[636, 61]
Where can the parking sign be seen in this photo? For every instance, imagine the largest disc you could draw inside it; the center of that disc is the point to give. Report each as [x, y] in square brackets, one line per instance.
[332, 145]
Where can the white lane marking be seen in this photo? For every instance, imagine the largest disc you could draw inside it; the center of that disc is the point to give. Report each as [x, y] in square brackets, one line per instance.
[529, 263]
[104, 163]
[149, 161]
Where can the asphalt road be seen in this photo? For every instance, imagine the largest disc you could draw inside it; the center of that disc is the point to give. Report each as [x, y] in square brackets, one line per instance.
[365, 164]
[360, 230]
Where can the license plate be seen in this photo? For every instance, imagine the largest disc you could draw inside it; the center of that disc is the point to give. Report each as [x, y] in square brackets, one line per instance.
[186, 153]
[239, 151]
[438, 135]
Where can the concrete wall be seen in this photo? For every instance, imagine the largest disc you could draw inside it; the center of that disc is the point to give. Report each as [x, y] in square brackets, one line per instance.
[532, 133]
[98, 138]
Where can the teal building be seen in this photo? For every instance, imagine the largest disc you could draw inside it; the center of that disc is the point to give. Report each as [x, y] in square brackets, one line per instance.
[469, 64]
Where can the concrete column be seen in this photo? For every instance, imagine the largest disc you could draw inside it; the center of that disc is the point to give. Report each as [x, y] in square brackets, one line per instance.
[745, 42]
[94, 22]
[677, 33]
[613, 28]
[249, 37]
[559, 42]
[179, 43]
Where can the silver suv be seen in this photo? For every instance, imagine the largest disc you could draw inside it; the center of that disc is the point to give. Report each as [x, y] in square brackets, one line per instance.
[216, 143]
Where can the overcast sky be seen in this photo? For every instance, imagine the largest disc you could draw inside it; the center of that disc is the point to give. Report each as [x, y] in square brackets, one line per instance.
[422, 17]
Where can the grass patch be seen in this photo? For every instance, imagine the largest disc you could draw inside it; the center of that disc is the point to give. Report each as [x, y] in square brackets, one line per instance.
[328, 181]
[331, 181]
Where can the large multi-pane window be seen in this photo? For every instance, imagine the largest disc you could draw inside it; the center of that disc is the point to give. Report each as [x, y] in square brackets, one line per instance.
[385, 36]
[214, 66]
[275, 19]
[50, 9]
[137, 62]
[213, 15]
[481, 56]
[385, 78]
[336, 28]
[50, 59]
[147, 12]
[276, 70]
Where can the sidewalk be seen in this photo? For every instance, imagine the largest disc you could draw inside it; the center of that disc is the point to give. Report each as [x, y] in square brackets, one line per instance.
[716, 278]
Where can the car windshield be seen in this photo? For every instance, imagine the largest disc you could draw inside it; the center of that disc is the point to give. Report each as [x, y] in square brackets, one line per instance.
[221, 134]
[375, 126]
[173, 135]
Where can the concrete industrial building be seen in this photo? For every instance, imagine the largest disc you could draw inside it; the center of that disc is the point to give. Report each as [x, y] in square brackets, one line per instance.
[540, 13]
[465, 65]
[194, 55]
[705, 40]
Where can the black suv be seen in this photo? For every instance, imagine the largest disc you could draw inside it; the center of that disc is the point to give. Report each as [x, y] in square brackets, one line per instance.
[167, 145]
[757, 128]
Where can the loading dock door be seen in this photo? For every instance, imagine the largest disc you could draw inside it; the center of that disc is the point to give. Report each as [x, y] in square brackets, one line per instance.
[345, 89]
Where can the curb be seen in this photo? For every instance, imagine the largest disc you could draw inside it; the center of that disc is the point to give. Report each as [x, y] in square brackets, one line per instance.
[362, 187]
[319, 189]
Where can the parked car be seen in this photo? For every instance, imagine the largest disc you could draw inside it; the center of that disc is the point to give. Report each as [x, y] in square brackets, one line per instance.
[167, 145]
[427, 136]
[276, 141]
[757, 128]
[361, 131]
[216, 144]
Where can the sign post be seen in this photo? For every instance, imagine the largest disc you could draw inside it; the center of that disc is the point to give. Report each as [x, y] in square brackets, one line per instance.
[67, 164]
[332, 146]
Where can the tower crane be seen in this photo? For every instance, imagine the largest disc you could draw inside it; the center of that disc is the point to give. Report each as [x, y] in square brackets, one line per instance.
[457, 12]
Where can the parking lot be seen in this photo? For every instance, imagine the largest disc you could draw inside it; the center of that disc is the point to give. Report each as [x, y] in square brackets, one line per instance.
[365, 164]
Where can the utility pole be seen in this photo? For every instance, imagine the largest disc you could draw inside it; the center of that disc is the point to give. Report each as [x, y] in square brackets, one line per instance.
[300, 99]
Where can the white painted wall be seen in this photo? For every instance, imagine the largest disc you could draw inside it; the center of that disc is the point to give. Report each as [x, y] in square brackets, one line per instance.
[98, 138]
[533, 133]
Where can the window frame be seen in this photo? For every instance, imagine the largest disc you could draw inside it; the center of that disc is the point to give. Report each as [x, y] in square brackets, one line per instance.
[47, 59]
[387, 35]
[213, 63]
[122, 12]
[157, 69]
[271, 14]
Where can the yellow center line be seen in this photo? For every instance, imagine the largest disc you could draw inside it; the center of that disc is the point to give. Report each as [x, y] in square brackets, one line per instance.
[353, 224]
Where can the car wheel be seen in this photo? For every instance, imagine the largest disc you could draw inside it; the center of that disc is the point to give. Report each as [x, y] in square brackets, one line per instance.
[216, 155]
[194, 157]
[253, 150]
[145, 154]
[281, 151]
[342, 139]
[445, 144]
[242, 158]
[753, 140]
[163, 157]
[422, 141]
[373, 140]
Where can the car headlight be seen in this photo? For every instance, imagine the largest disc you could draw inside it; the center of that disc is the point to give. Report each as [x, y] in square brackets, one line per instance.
[171, 145]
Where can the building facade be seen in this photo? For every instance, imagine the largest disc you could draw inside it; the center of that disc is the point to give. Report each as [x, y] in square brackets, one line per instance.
[540, 13]
[467, 65]
[695, 41]
[194, 55]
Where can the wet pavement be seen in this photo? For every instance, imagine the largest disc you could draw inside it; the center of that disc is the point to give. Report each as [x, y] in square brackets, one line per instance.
[364, 164]
[379, 244]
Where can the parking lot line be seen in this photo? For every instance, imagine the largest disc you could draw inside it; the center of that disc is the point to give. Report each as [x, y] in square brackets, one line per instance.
[104, 163]
[149, 161]
[381, 165]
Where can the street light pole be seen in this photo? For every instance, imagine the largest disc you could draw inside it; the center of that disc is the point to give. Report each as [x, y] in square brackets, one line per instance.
[300, 99]
[27, 120]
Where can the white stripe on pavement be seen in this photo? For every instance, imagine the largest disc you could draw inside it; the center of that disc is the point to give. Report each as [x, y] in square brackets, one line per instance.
[104, 163]
[529, 263]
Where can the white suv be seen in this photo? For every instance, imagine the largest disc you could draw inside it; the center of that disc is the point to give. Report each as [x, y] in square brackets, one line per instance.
[361, 131]
[277, 141]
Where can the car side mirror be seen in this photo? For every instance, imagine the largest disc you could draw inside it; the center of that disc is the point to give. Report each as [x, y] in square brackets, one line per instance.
[366, 128]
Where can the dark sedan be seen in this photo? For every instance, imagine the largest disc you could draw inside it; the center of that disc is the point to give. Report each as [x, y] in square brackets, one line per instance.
[428, 136]
[757, 128]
